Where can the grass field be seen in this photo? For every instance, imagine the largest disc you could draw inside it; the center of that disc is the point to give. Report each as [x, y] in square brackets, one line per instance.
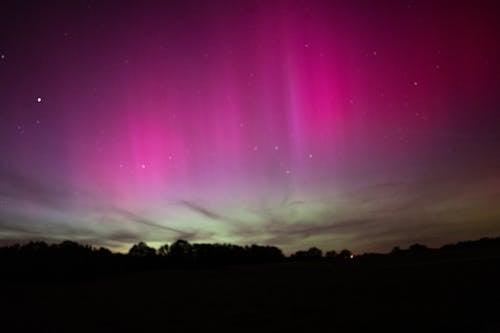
[452, 296]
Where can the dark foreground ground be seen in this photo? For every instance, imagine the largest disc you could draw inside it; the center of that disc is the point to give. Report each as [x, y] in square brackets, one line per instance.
[448, 296]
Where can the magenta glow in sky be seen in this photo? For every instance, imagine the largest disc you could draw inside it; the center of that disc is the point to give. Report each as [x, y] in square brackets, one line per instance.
[292, 123]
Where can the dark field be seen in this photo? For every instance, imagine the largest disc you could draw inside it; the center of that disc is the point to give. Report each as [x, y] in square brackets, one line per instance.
[438, 296]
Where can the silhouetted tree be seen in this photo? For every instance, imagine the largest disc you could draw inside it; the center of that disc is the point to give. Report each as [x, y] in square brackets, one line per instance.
[102, 251]
[345, 255]
[396, 250]
[34, 248]
[331, 254]
[181, 252]
[298, 255]
[141, 249]
[262, 254]
[417, 248]
[312, 254]
[70, 250]
[163, 250]
[217, 254]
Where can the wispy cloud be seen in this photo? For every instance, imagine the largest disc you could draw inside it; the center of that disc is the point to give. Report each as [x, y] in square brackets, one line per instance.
[204, 211]
[133, 217]
[23, 188]
[212, 214]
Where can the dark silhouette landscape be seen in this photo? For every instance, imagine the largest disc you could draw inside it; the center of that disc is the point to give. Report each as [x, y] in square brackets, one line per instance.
[186, 286]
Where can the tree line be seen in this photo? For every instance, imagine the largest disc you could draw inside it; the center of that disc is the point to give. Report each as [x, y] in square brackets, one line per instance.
[69, 256]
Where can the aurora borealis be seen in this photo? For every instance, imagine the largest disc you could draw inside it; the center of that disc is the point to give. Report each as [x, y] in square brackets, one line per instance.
[292, 123]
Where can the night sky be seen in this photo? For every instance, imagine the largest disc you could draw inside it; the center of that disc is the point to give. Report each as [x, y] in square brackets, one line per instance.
[337, 124]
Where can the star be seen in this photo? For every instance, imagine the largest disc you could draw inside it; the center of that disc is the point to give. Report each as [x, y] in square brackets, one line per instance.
[288, 172]
[143, 166]
[310, 155]
[2, 56]
[276, 147]
[38, 99]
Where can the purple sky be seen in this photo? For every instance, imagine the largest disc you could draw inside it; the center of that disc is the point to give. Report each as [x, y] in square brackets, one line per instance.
[336, 124]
